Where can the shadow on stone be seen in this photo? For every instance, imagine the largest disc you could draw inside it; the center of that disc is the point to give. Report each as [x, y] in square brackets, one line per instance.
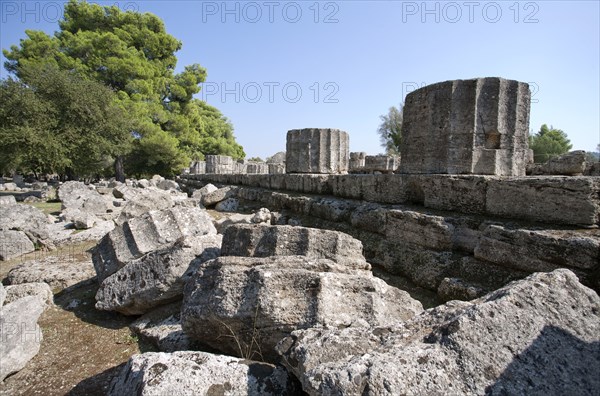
[556, 363]
[97, 384]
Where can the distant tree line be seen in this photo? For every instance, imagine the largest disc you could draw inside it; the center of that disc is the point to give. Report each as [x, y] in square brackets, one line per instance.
[102, 94]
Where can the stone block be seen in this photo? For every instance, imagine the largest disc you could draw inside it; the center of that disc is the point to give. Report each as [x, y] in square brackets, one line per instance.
[314, 150]
[549, 199]
[477, 126]
[219, 164]
[381, 163]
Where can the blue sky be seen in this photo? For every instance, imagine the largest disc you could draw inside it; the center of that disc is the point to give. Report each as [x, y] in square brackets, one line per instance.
[280, 65]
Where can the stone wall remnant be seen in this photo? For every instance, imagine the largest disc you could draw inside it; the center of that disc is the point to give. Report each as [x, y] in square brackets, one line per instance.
[314, 150]
[357, 161]
[477, 126]
[219, 164]
[381, 163]
[198, 168]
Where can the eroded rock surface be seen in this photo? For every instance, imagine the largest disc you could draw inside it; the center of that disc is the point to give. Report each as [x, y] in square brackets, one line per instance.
[14, 244]
[244, 305]
[57, 272]
[264, 241]
[540, 335]
[157, 277]
[200, 373]
[151, 231]
[21, 335]
[162, 327]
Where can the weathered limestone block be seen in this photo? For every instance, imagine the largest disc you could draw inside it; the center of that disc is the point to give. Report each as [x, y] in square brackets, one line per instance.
[548, 199]
[189, 373]
[425, 267]
[198, 168]
[162, 327]
[214, 197]
[261, 300]
[464, 194]
[477, 126]
[219, 164]
[535, 336]
[357, 162]
[276, 169]
[415, 228]
[53, 270]
[257, 168]
[381, 163]
[21, 335]
[151, 231]
[315, 150]
[332, 209]
[370, 217]
[277, 158]
[38, 289]
[458, 289]
[228, 205]
[142, 200]
[156, 278]
[7, 200]
[263, 241]
[14, 244]
[167, 185]
[571, 164]
[76, 195]
[25, 218]
[539, 250]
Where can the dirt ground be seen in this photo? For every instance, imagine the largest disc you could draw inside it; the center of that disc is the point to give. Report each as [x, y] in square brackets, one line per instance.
[81, 349]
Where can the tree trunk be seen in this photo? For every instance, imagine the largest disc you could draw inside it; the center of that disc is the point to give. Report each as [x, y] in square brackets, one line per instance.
[119, 171]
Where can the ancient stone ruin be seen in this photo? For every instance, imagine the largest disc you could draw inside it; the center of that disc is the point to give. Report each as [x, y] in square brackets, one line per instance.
[321, 283]
[477, 127]
[314, 150]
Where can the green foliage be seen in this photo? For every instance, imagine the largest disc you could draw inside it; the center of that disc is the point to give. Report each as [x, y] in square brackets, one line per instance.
[549, 142]
[59, 123]
[390, 130]
[255, 159]
[132, 54]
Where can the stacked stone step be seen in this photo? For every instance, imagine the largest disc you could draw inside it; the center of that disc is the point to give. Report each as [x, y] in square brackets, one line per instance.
[146, 233]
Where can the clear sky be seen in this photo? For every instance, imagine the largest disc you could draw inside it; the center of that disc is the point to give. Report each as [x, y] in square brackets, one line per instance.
[279, 65]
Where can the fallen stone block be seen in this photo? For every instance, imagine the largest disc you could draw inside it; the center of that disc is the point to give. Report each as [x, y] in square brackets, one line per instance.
[7, 200]
[14, 244]
[156, 278]
[228, 205]
[162, 327]
[198, 373]
[151, 231]
[243, 306]
[57, 272]
[264, 241]
[38, 289]
[539, 335]
[21, 335]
